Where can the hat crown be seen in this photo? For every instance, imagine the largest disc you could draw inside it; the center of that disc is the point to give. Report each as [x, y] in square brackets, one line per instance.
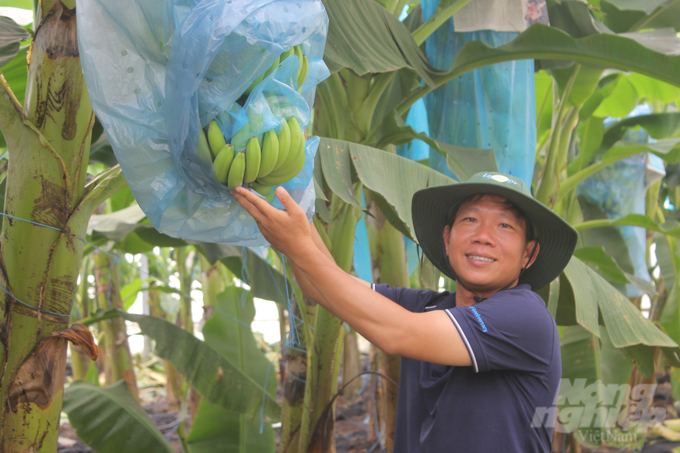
[503, 180]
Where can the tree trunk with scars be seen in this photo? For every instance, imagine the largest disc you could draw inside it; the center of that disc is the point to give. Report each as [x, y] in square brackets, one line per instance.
[48, 140]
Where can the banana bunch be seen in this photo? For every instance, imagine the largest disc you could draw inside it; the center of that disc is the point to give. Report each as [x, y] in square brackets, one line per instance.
[268, 160]
[302, 70]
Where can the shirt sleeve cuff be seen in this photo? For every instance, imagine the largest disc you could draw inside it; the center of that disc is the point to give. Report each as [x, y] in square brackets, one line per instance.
[469, 339]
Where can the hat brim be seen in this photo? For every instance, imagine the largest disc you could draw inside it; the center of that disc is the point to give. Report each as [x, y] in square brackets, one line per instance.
[430, 208]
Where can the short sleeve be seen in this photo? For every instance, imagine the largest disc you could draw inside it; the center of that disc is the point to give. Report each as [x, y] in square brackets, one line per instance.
[414, 300]
[511, 330]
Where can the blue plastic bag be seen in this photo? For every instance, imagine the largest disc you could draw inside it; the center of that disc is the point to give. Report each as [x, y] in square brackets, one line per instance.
[492, 107]
[159, 71]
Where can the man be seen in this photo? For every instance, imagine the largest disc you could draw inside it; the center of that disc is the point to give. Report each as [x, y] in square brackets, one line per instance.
[479, 362]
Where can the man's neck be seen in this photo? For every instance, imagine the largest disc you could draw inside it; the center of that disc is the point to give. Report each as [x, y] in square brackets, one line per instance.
[466, 298]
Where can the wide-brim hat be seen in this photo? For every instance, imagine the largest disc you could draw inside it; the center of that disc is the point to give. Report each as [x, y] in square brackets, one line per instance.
[431, 208]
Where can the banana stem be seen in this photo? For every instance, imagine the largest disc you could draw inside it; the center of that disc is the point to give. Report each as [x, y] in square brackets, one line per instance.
[550, 179]
[440, 16]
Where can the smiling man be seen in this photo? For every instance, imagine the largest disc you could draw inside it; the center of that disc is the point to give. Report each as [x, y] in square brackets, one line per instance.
[476, 363]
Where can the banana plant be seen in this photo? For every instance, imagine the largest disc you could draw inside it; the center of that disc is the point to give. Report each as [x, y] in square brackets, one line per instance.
[48, 140]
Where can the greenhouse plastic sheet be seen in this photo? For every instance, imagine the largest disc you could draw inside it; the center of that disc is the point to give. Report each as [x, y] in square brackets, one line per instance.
[158, 71]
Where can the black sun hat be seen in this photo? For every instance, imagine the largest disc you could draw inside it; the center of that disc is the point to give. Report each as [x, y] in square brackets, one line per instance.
[431, 207]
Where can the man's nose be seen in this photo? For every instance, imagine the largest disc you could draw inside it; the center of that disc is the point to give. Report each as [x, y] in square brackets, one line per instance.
[483, 234]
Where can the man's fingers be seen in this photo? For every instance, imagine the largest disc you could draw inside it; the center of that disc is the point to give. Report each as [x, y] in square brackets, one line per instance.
[251, 203]
[286, 200]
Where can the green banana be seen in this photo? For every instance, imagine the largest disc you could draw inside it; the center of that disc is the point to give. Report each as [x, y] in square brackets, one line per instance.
[284, 145]
[254, 84]
[270, 196]
[304, 68]
[296, 137]
[215, 137]
[275, 180]
[223, 162]
[240, 138]
[287, 53]
[292, 161]
[272, 67]
[262, 189]
[238, 167]
[298, 53]
[253, 158]
[270, 153]
[203, 148]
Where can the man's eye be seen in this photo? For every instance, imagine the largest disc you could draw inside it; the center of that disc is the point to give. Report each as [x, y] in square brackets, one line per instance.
[505, 225]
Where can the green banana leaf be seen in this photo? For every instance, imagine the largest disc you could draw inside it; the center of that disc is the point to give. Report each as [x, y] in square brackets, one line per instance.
[658, 125]
[666, 149]
[638, 220]
[218, 380]
[598, 258]
[110, 420]
[626, 15]
[265, 281]
[366, 38]
[588, 300]
[393, 179]
[11, 37]
[592, 372]
[217, 429]
[669, 264]
[23, 4]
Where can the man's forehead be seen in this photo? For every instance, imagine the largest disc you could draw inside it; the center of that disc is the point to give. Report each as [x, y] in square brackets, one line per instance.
[482, 198]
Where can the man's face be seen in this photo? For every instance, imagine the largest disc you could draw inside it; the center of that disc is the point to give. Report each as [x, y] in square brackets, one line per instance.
[486, 245]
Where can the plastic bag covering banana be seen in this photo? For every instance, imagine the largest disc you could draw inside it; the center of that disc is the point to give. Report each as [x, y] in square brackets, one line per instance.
[238, 168]
[240, 138]
[272, 67]
[304, 68]
[253, 158]
[223, 162]
[270, 153]
[203, 149]
[284, 145]
[287, 53]
[215, 138]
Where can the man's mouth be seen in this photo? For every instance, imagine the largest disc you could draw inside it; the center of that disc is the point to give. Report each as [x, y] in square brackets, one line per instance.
[481, 258]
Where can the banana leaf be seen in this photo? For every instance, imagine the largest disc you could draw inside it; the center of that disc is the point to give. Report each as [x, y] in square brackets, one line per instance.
[110, 420]
[393, 179]
[227, 332]
[366, 38]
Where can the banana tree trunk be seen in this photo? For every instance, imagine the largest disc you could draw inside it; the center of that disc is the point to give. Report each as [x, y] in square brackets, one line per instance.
[118, 363]
[48, 141]
[185, 280]
[80, 362]
[317, 430]
[388, 256]
[351, 363]
[293, 378]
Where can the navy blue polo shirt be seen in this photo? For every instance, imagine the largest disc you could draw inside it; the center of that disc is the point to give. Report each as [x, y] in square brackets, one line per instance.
[487, 407]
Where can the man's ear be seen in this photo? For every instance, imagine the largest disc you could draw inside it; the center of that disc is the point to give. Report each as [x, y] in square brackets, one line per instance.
[446, 234]
[527, 253]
